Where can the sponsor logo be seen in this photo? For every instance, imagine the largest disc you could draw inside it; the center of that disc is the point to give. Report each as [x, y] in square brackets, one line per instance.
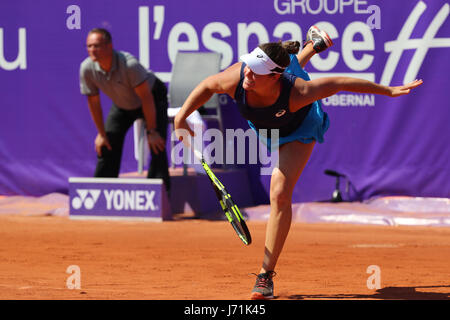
[115, 199]
[86, 198]
[140, 200]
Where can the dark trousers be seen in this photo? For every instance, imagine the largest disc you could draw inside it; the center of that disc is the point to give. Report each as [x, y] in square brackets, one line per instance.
[119, 122]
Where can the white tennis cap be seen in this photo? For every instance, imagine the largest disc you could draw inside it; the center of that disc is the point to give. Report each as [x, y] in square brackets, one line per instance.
[260, 63]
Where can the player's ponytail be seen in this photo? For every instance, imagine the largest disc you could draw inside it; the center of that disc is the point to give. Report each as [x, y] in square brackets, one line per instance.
[292, 47]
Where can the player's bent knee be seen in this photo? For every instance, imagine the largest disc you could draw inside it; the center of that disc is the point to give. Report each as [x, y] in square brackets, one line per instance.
[280, 198]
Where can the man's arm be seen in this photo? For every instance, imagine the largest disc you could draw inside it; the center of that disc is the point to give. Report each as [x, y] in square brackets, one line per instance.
[306, 92]
[156, 142]
[95, 109]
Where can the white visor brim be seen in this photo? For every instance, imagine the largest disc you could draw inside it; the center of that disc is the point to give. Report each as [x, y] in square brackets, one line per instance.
[260, 63]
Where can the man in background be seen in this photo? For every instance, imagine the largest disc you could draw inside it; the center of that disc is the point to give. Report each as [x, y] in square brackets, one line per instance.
[135, 93]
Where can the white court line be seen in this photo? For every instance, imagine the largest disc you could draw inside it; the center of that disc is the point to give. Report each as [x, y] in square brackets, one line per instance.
[374, 245]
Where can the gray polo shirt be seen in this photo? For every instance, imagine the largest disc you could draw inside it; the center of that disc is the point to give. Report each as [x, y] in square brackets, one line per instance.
[118, 84]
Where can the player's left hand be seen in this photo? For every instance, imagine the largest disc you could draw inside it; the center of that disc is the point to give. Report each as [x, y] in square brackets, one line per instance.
[405, 89]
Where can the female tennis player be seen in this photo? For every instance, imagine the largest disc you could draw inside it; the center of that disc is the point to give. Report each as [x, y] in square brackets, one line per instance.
[271, 98]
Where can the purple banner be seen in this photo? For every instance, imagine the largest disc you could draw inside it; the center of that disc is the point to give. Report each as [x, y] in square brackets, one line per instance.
[384, 146]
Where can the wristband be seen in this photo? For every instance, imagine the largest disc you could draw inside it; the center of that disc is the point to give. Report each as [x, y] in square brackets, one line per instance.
[150, 131]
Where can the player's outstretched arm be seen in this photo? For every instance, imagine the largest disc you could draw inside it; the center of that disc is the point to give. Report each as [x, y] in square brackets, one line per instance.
[307, 92]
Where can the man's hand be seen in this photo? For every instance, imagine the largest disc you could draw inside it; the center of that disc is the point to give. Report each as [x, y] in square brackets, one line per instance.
[97, 116]
[155, 142]
[101, 141]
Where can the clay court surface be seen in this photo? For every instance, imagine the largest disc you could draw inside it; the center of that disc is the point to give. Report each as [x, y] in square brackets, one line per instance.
[191, 259]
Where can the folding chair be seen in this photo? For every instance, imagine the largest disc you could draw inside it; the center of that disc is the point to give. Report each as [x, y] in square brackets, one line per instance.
[189, 69]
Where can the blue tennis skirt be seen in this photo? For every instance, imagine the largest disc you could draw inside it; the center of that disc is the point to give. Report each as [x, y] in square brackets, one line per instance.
[314, 125]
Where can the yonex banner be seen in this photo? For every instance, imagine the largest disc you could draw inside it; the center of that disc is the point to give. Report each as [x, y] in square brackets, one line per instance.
[118, 198]
[383, 146]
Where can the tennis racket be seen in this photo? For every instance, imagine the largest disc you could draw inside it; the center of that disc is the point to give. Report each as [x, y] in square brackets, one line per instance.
[230, 209]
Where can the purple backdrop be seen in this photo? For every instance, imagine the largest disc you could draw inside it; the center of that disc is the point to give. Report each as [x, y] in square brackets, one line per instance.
[385, 146]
